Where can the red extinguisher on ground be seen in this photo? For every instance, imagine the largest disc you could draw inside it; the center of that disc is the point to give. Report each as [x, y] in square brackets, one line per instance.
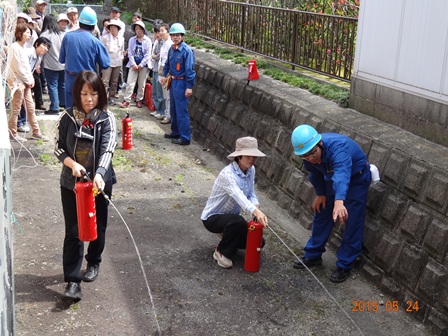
[126, 132]
[252, 71]
[253, 246]
[85, 208]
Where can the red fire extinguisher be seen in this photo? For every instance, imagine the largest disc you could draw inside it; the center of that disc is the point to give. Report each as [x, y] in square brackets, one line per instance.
[252, 71]
[85, 208]
[126, 132]
[253, 246]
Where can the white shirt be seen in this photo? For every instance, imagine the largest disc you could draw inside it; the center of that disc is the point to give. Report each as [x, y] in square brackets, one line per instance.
[232, 192]
[164, 52]
[115, 48]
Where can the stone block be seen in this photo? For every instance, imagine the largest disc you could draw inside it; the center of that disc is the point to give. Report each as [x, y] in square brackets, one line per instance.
[378, 155]
[265, 106]
[249, 122]
[389, 97]
[371, 236]
[316, 122]
[396, 165]
[436, 193]
[275, 170]
[295, 210]
[347, 131]
[219, 78]
[213, 123]
[372, 273]
[294, 182]
[410, 265]
[390, 286]
[415, 178]
[229, 109]
[200, 71]
[307, 194]
[364, 142]
[376, 198]
[283, 142]
[435, 241]
[255, 98]
[393, 209]
[300, 117]
[387, 250]
[363, 88]
[387, 114]
[438, 322]
[433, 277]
[284, 201]
[248, 93]
[329, 126]
[209, 98]
[211, 78]
[286, 110]
[273, 192]
[414, 224]
[260, 131]
[239, 91]
[238, 112]
[206, 115]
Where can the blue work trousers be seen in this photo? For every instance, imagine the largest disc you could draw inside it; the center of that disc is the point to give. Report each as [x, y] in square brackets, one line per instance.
[352, 237]
[69, 81]
[180, 118]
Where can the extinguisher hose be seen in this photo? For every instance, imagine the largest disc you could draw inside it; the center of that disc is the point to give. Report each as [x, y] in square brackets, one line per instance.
[156, 319]
[318, 281]
[86, 176]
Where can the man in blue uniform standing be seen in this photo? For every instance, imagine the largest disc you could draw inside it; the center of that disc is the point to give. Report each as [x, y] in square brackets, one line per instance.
[81, 50]
[180, 65]
[340, 173]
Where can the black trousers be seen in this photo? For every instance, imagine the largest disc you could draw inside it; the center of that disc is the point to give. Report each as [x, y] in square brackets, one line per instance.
[73, 250]
[37, 89]
[233, 229]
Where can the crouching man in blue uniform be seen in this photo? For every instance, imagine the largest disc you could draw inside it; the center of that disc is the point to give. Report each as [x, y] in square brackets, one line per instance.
[180, 65]
[339, 171]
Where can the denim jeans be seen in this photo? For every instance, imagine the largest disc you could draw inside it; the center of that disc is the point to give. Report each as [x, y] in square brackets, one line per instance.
[21, 121]
[56, 88]
[157, 94]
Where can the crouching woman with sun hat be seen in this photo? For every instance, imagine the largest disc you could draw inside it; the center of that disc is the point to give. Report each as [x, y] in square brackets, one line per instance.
[233, 192]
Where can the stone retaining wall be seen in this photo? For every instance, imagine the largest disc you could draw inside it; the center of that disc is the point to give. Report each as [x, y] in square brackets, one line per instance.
[406, 229]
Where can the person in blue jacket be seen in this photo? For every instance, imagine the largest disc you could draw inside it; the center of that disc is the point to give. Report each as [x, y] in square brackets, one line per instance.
[180, 65]
[340, 174]
[80, 51]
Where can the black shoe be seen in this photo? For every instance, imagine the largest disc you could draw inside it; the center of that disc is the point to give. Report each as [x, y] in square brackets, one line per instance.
[340, 275]
[308, 262]
[44, 90]
[91, 272]
[180, 141]
[171, 136]
[51, 112]
[72, 292]
[40, 107]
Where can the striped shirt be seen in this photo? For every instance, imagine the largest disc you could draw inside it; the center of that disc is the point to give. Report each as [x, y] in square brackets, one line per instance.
[232, 192]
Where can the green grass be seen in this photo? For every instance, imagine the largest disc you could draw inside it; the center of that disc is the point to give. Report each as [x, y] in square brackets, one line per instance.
[326, 90]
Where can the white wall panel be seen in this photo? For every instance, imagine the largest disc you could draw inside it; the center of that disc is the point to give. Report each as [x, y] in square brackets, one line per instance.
[404, 44]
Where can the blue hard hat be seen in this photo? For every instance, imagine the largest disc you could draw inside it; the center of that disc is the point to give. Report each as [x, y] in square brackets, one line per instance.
[304, 138]
[88, 17]
[177, 28]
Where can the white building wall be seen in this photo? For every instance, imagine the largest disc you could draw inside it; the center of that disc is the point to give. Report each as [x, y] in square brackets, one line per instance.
[403, 44]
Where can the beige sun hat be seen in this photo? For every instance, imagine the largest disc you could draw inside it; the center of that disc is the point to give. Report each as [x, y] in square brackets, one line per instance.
[63, 16]
[247, 146]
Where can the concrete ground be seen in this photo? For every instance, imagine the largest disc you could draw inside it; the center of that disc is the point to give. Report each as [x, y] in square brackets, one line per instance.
[158, 276]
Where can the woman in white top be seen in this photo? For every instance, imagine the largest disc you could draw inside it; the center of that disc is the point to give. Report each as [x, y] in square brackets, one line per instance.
[20, 81]
[114, 44]
[167, 43]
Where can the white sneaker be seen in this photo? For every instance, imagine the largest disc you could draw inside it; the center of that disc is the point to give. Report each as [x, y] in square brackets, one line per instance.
[159, 116]
[17, 138]
[39, 137]
[222, 260]
[23, 128]
[165, 120]
[154, 113]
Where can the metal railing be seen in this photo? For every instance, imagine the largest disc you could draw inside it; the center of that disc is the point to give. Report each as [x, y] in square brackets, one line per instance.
[318, 42]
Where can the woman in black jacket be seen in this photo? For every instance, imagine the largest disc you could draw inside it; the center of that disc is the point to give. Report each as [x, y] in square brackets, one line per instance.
[86, 137]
